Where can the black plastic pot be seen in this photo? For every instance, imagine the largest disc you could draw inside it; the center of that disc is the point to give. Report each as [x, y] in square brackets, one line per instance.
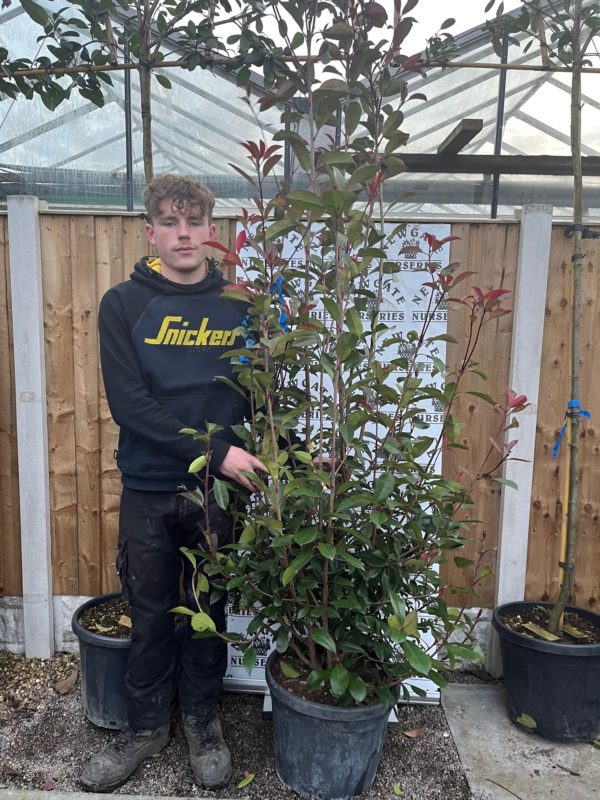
[323, 751]
[103, 665]
[554, 684]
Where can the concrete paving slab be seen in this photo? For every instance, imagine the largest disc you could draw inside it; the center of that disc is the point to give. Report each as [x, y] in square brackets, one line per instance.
[502, 762]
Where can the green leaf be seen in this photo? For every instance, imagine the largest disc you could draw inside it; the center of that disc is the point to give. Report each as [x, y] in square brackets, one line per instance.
[353, 113]
[527, 722]
[357, 688]
[164, 81]
[288, 670]
[198, 463]
[339, 680]
[463, 652]
[282, 640]
[384, 486]
[202, 585]
[202, 622]
[327, 551]
[295, 567]
[306, 536]
[247, 781]
[302, 456]
[323, 639]
[417, 659]
[221, 494]
[397, 790]
[305, 200]
[345, 345]
[182, 610]
[249, 659]
[189, 554]
[364, 174]
[506, 482]
[398, 605]
[248, 535]
[35, 11]
[461, 562]
[354, 322]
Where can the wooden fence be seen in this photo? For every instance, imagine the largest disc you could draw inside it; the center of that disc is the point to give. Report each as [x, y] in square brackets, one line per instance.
[83, 255]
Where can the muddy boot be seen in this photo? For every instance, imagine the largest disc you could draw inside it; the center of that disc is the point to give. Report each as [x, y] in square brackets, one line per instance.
[110, 768]
[209, 755]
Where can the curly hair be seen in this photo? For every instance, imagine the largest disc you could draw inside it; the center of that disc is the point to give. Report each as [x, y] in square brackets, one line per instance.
[184, 192]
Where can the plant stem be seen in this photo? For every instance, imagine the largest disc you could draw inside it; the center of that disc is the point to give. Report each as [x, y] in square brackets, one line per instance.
[573, 451]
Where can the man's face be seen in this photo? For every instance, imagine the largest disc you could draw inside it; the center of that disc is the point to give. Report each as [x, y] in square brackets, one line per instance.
[179, 236]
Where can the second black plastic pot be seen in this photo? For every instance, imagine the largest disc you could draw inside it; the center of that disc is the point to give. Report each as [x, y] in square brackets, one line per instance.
[103, 665]
[324, 751]
[555, 685]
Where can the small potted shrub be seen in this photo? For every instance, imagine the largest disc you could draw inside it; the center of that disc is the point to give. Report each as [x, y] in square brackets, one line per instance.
[551, 650]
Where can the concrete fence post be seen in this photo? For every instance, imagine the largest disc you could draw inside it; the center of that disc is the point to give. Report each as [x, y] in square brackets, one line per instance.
[525, 367]
[32, 430]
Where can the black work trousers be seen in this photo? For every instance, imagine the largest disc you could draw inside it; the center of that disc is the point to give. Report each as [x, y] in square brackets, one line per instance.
[152, 528]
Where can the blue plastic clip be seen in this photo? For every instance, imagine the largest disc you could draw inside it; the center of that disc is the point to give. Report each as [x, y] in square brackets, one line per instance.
[250, 341]
[278, 287]
[573, 410]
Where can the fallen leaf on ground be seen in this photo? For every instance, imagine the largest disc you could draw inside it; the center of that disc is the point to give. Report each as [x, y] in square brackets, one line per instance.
[397, 790]
[47, 786]
[415, 733]
[66, 685]
[125, 621]
[247, 780]
[7, 770]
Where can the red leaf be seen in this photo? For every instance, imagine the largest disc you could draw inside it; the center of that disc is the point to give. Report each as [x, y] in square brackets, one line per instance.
[217, 246]
[270, 163]
[478, 294]
[492, 297]
[240, 241]
[417, 96]
[412, 63]
[229, 258]
[516, 402]
[272, 149]
[47, 785]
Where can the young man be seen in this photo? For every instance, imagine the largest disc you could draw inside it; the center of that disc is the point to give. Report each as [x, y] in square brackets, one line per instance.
[161, 337]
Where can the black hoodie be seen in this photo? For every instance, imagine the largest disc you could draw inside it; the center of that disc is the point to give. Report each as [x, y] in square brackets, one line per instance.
[161, 345]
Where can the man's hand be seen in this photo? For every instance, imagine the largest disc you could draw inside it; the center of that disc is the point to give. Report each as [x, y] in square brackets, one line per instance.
[236, 462]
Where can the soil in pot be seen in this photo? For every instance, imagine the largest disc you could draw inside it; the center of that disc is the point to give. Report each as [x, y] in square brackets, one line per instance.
[587, 631]
[111, 617]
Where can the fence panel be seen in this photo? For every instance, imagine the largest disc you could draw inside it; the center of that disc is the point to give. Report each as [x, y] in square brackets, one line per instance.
[83, 256]
[490, 252]
[10, 541]
[547, 495]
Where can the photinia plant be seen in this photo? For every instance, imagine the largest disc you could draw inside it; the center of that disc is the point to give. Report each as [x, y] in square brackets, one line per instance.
[340, 547]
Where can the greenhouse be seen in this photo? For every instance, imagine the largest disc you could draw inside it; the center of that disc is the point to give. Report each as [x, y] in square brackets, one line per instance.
[80, 154]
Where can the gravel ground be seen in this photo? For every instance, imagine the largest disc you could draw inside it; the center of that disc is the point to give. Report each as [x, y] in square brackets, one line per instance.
[45, 741]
